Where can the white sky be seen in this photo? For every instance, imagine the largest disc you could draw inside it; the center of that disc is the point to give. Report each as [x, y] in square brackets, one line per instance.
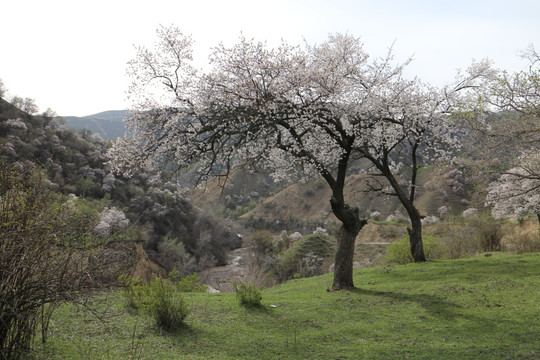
[71, 55]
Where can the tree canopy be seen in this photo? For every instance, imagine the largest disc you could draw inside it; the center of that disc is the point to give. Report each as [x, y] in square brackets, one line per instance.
[306, 109]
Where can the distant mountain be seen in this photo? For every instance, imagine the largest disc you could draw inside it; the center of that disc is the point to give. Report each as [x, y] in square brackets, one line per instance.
[107, 124]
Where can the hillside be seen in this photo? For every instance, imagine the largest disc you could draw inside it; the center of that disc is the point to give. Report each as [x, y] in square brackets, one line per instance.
[108, 124]
[304, 206]
[477, 308]
[73, 164]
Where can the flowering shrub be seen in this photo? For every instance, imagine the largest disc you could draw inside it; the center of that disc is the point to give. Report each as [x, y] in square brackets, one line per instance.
[111, 221]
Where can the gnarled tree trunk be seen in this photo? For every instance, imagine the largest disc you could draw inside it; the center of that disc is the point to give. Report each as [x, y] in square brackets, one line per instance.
[343, 263]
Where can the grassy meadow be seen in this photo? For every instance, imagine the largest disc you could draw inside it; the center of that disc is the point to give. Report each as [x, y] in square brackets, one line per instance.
[485, 307]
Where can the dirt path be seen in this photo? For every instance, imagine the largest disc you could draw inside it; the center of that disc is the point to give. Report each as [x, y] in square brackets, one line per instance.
[220, 278]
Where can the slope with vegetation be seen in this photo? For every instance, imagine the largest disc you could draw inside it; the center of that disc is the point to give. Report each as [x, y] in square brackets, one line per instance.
[108, 124]
[147, 207]
[477, 308]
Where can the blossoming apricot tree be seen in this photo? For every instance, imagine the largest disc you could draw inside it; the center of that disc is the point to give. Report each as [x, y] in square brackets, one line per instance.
[297, 109]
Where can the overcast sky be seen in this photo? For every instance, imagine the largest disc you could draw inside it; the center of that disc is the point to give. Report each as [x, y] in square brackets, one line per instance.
[71, 55]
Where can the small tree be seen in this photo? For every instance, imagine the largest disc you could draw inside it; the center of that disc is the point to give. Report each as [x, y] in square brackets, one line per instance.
[3, 89]
[408, 126]
[27, 105]
[257, 105]
[516, 193]
[517, 97]
[305, 110]
[42, 260]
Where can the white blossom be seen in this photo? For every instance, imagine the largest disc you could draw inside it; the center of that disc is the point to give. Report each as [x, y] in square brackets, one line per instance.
[17, 124]
[111, 220]
[517, 192]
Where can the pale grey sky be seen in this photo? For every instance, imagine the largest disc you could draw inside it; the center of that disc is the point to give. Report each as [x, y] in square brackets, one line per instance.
[71, 55]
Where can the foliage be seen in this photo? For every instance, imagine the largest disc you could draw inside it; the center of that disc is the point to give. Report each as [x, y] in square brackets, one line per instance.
[487, 231]
[111, 220]
[457, 240]
[3, 89]
[248, 295]
[516, 193]
[304, 257]
[399, 252]
[27, 105]
[166, 305]
[188, 283]
[133, 290]
[515, 97]
[161, 299]
[179, 236]
[262, 241]
[148, 207]
[478, 308]
[523, 238]
[43, 260]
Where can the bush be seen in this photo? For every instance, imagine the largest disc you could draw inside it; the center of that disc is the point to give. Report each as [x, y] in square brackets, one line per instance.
[248, 295]
[457, 242]
[43, 261]
[399, 252]
[166, 305]
[262, 241]
[523, 238]
[189, 283]
[161, 299]
[485, 230]
[38, 262]
[133, 291]
[305, 257]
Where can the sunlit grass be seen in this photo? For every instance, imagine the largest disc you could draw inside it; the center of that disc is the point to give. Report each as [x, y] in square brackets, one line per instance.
[478, 308]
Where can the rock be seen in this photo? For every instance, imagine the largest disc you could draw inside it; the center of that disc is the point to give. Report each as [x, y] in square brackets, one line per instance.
[430, 220]
[375, 215]
[443, 211]
[470, 212]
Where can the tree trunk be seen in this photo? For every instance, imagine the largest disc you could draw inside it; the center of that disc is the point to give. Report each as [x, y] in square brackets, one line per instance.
[415, 237]
[538, 217]
[343, 263]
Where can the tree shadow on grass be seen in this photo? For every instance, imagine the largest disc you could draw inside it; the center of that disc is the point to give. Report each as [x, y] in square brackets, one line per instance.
[435, 305]
[518, 331]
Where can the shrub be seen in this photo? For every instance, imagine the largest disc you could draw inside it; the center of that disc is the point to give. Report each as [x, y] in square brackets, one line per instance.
[487, 231]
[399, 252]
[248, 295]
[166, 306]
[189, 283]
[133, 291]
[310, 265]
[160, 299]
[523, 238]
[457, 242]
[43, 261]
[262, 241]
[296, 259]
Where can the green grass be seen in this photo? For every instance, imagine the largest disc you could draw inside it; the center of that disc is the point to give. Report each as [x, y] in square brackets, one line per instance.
[478, 308]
